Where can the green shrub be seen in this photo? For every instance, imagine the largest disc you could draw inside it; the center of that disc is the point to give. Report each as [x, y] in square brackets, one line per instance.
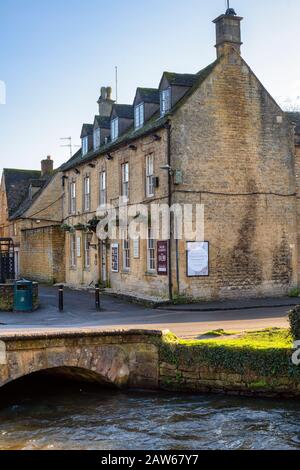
[294, 317]
[294, 293]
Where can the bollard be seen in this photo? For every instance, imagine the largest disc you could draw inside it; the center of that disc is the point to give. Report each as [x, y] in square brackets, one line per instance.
[97, 297]
[61, 298]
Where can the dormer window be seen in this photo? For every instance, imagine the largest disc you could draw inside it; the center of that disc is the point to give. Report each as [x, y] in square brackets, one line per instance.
[85, 145]
[165, 101]
[97, 138]
[114, 129]
[139, 116]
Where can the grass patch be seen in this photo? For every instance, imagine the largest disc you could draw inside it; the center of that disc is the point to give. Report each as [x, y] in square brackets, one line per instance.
[218, 333]
[266, 353]
[264, 339]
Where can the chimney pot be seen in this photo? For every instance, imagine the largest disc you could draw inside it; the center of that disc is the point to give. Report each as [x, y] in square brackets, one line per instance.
[47, 166]
[105, 102]
[228, 32]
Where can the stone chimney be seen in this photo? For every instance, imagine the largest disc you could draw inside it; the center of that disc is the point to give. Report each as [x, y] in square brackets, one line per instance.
[47, 167]
[105, 102]
[228, 30]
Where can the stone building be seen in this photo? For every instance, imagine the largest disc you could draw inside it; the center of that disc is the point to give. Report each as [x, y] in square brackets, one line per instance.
[215, 138]
[31, 214]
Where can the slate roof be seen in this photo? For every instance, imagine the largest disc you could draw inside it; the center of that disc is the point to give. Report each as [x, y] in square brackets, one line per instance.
[87, 129]
[181, 79]
[149, 95]
[124, 111]
[16, 184]
[103, 122]
[155, 123]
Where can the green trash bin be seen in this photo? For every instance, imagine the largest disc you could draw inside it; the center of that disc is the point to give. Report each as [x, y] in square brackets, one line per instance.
[23, 296]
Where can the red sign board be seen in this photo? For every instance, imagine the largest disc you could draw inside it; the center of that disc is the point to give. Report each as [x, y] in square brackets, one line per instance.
[162, 258]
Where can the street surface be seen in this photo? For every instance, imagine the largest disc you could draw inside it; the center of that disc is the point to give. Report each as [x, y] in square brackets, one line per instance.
[185, 321]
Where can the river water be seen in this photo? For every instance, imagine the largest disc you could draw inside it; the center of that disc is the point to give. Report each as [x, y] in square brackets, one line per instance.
[47, 415]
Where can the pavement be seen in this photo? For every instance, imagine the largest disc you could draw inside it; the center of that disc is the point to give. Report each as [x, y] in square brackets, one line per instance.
[186, 321]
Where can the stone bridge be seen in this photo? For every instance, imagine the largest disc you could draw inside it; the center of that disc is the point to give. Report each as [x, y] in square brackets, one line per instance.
[122, 359]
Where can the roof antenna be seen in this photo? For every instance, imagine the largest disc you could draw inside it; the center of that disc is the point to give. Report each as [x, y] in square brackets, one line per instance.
[116, 68]
[230, 11]
[69, 145]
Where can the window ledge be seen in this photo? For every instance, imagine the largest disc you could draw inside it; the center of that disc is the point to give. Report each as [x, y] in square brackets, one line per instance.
[151, 273]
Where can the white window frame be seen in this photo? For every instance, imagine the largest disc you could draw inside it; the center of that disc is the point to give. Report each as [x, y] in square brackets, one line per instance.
[114, 129]
[126, 251]
[139, 116]
[125, 180]
[73, 251]
[87, 250]
[151, 252]
[102, 188]
[165, 101]
[87, 193]
[73, 197]
[97, 138]
[150, 190]
[85, 145]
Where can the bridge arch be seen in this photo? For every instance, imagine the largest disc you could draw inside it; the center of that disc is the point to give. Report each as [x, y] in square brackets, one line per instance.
[123, 359]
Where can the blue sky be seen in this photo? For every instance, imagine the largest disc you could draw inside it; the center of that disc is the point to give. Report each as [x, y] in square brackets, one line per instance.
[56, 54]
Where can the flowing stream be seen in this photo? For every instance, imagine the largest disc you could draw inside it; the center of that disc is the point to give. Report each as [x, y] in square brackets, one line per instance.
[43, 414]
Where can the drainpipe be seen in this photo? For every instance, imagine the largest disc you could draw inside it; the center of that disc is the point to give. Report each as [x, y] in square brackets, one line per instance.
[170, 175]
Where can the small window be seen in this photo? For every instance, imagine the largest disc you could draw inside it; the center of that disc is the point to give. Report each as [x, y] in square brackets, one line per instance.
[165, 101]
[151, 260]
[149, 175]
[114, 129]
[73, 250]
[85, 145]
[125, 180]
[102, 188]
[73, 197]
[139, 116]
[87, 194]
[126, 252]
[97, 138]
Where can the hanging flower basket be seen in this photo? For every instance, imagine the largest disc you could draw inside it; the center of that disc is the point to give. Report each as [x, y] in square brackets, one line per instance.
[68, 228]
[82, 227]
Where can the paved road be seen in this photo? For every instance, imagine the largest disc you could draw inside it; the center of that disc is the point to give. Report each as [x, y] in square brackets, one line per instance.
[116, 314]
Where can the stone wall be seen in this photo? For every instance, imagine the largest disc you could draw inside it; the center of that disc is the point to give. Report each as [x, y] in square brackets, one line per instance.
[138, 359]
[137, 279]
[204, 379]
[235, 148]
[7, 297]
[42, 254]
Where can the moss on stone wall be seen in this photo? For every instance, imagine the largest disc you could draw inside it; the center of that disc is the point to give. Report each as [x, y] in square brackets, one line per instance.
[253, 363]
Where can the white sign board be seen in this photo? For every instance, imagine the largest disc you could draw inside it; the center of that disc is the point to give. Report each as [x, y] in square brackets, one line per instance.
[115, 258]
[197, 259]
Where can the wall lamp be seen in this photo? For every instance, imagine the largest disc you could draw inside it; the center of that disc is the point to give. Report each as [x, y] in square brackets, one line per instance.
[92, 165]
[156, 138]
[168, 168]
[77, 171]
[109, 157]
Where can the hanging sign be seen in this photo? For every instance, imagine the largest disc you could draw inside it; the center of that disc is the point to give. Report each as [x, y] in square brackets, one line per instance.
[197, 259]
[162, 258]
